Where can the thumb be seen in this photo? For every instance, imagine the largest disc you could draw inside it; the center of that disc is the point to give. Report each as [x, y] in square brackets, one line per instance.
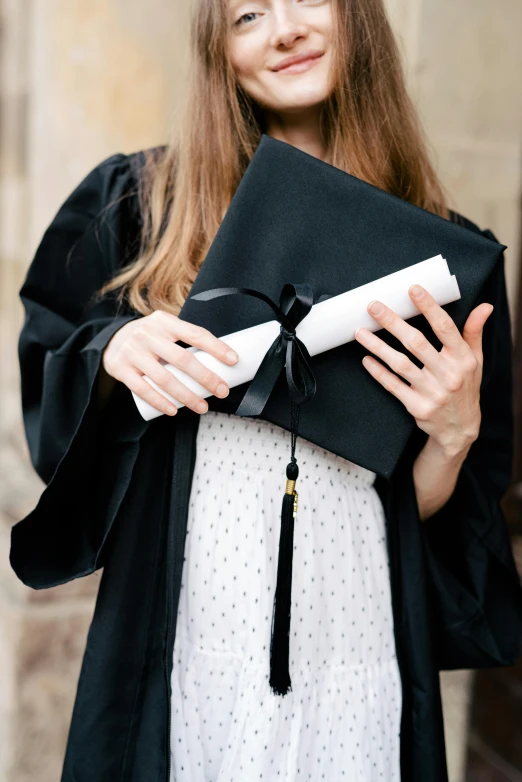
[472, 332]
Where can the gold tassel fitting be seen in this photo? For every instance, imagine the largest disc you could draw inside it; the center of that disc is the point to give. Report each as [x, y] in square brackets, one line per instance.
[295, 504]
[290, 487]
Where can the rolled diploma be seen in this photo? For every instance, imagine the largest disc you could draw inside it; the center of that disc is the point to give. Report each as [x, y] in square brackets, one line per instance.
[329, 324]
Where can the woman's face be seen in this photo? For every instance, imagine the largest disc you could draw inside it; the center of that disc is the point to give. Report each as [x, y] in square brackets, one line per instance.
[263, 33]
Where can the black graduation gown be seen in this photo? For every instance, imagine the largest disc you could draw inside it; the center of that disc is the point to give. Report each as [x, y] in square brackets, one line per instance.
[117, 491]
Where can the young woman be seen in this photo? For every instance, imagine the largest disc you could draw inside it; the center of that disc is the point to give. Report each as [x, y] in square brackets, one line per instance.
[416, 573]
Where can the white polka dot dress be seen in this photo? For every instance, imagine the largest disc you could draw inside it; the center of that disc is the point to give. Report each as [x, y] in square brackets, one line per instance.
[341, 719]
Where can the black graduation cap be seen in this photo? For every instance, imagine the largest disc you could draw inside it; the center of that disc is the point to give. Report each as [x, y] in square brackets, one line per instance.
[298, 230]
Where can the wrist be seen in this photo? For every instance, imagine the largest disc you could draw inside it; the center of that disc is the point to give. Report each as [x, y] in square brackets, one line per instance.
[435, 474]
[453, 454]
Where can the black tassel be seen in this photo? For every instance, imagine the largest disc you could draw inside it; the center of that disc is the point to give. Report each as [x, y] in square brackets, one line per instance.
[280, 641]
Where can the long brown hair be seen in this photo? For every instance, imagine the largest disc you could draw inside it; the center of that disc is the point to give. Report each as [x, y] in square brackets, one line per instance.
[368, 122]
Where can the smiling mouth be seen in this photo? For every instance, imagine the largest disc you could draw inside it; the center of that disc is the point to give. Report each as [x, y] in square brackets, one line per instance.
[302, 65]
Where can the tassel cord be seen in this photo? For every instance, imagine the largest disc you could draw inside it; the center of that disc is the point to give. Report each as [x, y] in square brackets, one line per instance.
[280, 640]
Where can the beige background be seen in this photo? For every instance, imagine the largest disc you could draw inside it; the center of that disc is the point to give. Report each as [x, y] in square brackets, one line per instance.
[80, 81]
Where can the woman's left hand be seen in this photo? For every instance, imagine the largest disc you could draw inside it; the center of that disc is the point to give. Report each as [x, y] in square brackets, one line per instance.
[443, 395]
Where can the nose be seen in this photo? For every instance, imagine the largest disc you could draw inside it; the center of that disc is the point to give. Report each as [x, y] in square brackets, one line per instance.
[288, 28]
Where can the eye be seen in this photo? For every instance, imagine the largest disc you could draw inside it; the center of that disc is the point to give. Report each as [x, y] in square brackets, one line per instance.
[239, 22]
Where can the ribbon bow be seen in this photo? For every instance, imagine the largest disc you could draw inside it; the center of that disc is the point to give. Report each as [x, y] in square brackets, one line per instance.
[286, 350]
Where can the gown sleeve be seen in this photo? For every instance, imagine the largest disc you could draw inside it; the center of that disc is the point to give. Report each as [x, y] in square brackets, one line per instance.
[71, 439]
[472, 577]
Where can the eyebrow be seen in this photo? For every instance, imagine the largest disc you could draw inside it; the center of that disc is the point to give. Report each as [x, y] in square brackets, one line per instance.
[233, 4]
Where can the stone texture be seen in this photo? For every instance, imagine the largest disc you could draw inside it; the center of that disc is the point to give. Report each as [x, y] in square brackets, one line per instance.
[50, 649]
[106, 77]
[9, 638]
[456, 688]
[469, 70]
[405, 16]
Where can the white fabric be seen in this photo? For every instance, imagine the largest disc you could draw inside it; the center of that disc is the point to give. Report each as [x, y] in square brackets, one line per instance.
[341, 719]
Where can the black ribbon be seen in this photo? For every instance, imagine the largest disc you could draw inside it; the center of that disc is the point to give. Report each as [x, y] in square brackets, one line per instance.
[295, 302]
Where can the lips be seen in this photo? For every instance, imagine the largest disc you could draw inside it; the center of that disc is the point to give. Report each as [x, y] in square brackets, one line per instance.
[297, 58]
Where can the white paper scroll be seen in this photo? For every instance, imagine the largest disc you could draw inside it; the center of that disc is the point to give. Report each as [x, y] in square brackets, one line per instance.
[329, 324]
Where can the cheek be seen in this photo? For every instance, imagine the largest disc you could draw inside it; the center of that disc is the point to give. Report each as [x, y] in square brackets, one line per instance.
[324, 24]
[243, 61]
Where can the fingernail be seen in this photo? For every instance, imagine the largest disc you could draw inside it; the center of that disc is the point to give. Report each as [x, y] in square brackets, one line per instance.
[202, 407]
[416, 290]
[232, 355]
[376, 308]
[222, 389]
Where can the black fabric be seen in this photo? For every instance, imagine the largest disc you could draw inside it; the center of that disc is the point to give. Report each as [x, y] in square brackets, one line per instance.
[60, 347]
[297, 219]
[117, 492]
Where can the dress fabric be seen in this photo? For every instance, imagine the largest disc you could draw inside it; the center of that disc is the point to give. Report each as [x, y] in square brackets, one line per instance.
[341, 719]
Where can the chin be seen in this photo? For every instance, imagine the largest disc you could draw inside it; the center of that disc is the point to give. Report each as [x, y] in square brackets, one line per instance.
[299, 103]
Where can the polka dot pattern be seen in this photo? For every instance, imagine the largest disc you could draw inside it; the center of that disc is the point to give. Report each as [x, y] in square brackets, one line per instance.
[341, 719]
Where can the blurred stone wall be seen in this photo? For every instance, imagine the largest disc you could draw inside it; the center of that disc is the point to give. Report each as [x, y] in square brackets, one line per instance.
[80, 81]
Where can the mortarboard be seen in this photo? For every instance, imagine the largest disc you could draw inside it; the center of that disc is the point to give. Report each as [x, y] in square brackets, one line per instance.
[297, 220]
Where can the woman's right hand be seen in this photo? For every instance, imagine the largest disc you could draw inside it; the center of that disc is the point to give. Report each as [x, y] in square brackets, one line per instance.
[135, 348]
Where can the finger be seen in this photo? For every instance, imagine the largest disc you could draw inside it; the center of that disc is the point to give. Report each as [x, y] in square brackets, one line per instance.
[186, 360]
[199, 337]
[412, 339]
[398, 361]
[473, 328]
[166, 381]
[135, 382]
[442, 324]
[392, 383]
